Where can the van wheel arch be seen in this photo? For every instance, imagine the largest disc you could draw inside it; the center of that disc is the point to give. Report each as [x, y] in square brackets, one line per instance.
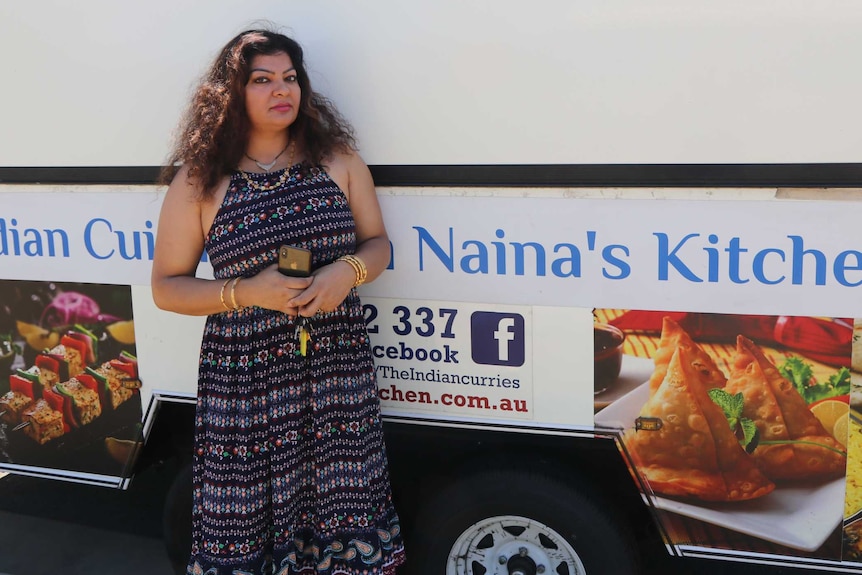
[510, 521]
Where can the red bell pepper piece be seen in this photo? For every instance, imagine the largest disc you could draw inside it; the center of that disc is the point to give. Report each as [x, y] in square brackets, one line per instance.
[62, 366]
[89, 353]
[23, 385]
[62, 404]
[48, 363]
[88, 381]
[78, 345]
[127, 367]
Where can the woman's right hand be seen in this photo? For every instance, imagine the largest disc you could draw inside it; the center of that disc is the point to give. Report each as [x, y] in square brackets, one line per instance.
[271, 289]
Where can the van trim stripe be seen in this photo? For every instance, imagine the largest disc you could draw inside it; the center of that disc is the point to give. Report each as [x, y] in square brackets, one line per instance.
[512, 175]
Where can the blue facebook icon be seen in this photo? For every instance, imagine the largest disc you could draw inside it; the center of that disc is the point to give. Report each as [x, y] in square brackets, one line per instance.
[497, 338]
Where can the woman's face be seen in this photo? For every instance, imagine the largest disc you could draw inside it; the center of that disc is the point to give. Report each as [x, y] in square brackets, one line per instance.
[272, 93]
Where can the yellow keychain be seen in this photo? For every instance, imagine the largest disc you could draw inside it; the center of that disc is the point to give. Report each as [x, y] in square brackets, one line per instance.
[303, 334]
[304, 338]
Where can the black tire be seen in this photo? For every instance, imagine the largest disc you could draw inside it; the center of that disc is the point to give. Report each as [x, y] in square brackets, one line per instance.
[177, 520]
[496, 513]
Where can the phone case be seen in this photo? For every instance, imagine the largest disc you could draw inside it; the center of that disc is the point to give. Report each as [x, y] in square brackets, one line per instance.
[294, 261]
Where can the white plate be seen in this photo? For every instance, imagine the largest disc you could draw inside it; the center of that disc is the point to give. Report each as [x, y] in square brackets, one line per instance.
[798, 516]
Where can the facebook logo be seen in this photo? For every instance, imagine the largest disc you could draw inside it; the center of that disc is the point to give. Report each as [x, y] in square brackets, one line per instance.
[497, 338]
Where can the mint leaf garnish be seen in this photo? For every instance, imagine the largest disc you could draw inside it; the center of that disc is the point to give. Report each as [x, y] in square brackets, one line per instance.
[750, 435]
[732, 406]
[745, 429]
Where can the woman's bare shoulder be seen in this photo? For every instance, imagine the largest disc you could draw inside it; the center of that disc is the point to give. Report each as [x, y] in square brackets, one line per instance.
[340, 160]
[186, 199]
[349, 159]
[344, 166]
[183, 185]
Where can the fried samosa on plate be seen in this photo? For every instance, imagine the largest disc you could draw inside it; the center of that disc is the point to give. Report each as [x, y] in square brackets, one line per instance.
[781, 414]
[672, 337]
[693, 452]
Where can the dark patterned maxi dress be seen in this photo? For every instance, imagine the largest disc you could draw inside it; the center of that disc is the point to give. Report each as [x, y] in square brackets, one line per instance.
[290, 471]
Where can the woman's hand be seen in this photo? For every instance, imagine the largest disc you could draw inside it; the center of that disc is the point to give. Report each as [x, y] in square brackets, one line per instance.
[273, 290]
[331, 285]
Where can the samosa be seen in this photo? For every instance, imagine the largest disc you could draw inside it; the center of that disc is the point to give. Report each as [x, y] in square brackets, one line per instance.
[781, 414]
[673, 337]
[689, 450]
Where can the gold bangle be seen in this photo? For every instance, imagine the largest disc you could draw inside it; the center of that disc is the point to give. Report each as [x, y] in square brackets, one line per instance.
[352, 264]
[233, 294]
[348, 261]
[358, 268]
[221, 294]
[363, 271]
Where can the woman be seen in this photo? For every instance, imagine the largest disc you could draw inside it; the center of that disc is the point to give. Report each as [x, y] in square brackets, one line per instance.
[290, 473]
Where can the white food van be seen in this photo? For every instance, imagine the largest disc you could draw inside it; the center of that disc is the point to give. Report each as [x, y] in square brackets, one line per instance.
[624, 278]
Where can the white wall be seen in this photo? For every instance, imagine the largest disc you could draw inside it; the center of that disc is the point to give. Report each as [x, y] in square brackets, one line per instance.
[101, 82]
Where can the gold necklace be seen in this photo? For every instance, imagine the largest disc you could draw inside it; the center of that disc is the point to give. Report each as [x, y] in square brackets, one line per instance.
[268, 167]
[285, 174]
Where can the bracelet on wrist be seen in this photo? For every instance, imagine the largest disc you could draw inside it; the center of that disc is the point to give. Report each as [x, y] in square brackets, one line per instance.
[233, 293]
[221, 294]
[358, 268]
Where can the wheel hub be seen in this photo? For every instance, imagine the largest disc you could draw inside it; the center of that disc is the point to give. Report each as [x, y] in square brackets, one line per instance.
[518, 565]
[512, 545]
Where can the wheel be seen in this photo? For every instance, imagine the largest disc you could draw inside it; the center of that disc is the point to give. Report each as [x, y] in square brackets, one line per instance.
[519, 523]
[177, 520]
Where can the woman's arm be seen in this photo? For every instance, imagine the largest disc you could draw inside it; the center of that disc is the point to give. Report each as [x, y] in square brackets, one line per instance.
[179, 246]
[333, 282]
[371, 238]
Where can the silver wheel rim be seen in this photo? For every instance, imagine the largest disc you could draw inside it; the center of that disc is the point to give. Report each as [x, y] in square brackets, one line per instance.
[495, 542]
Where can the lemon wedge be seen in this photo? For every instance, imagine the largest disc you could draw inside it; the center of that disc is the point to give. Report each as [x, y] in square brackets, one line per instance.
[121, 450]
[37, 337]
[122, 331]
[830, 412]
[841, 429]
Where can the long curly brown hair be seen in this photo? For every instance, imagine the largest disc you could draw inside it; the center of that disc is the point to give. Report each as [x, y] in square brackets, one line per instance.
[214, 131]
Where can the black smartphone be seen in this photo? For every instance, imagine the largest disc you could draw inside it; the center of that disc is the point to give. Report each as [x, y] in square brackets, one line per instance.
[294, 261]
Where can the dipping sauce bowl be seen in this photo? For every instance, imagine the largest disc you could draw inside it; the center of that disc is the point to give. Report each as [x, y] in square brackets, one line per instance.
[607, 355]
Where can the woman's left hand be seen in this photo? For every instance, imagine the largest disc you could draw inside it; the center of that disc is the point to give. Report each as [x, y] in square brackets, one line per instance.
[330, 286]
